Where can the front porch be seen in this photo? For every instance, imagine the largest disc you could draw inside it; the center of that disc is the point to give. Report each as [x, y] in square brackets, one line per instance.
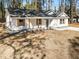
[17, 24]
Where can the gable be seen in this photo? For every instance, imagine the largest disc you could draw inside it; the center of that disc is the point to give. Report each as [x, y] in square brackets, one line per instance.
[63, 15]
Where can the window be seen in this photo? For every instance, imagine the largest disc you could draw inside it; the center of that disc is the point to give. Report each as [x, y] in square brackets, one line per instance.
[38, 22]
[20, 22]
[61, 21]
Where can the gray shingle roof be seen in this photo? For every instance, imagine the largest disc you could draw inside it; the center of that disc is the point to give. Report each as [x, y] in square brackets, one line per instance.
[33, 13]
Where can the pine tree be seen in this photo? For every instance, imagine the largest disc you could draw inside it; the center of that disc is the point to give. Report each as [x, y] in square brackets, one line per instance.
[2, 9]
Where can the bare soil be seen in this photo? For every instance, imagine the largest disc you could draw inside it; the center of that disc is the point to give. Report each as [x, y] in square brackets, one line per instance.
[74, 25]
[60, 44]
[48, 44]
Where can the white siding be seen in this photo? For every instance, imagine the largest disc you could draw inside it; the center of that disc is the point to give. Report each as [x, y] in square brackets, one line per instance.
[56, 23]
[11, 23]
[53, 23]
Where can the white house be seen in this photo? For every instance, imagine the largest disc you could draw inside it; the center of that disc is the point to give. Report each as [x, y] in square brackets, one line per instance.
[59, 21]
[39, 21]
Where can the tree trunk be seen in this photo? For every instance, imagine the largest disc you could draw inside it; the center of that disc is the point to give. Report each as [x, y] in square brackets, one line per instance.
[2, 11]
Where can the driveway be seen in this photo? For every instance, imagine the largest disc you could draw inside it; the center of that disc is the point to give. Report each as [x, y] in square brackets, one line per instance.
[67, 28]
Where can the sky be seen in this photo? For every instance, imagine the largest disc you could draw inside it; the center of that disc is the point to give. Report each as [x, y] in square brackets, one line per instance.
[55, 4]
[78, 4]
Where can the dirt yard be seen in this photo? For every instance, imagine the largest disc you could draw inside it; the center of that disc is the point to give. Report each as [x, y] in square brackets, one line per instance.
[62, 44]
[74, 25]
[48, 44]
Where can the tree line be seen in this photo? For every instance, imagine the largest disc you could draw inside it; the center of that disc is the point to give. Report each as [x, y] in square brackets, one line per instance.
[43, 4]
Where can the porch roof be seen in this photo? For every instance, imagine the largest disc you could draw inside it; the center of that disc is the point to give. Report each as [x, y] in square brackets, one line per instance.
[39, 18]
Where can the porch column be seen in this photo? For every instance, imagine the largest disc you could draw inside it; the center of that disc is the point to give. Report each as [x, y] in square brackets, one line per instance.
[47, 23]
[29, 23]
[38, 23]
